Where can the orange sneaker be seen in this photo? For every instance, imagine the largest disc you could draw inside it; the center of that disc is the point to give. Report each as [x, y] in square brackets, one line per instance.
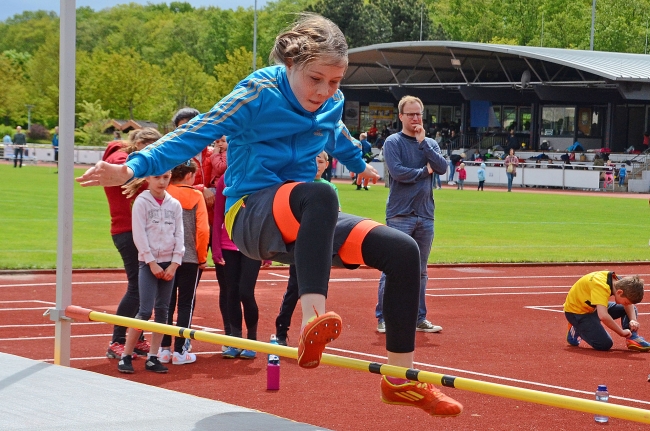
[423, 395]
[319, 331]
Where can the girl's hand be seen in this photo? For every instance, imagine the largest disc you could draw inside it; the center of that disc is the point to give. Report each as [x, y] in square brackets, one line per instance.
[429, 168]
[626, 333]
[105, 174]
[266, 263]
[156, 270]
[634, 325]
[170, 271]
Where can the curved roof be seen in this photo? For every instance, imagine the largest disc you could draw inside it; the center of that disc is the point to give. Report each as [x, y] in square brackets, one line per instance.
[447, 64]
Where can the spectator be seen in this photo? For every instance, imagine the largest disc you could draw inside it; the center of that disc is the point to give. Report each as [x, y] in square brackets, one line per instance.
[219, 160]
[158, 235]
[513, 143]
[511, 163]
[366, 151]
[307, 225]
[588, 310]
[622, 173]
[454, 161]
[55, 146]
[20, 141]
[240, 276]
[412, 159]
[197, 234]
[119, 206]
[609, 174]
[462, 175]
[481, 177]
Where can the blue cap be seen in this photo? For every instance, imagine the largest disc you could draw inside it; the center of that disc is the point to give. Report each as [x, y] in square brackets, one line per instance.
[602, 387]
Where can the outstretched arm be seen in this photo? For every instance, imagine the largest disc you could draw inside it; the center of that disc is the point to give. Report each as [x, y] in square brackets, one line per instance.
[106, 175]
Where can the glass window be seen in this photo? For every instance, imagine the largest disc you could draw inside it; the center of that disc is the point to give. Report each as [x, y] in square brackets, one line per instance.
[509, 116]
[558, 121]
[524, 120]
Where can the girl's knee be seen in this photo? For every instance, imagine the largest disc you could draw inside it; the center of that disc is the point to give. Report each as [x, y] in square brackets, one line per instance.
[143, 315]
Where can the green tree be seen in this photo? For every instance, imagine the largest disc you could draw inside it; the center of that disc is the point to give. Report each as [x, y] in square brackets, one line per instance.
[238, 67]
[43, 88]
[13, 94]
[189, 85]
[126, 84]
[94, 120]
[370, 27]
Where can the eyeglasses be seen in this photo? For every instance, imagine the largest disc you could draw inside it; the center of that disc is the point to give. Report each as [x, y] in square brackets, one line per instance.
[412, 114]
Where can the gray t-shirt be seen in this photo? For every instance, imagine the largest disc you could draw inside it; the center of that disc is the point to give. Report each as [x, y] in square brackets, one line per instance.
[411, 187]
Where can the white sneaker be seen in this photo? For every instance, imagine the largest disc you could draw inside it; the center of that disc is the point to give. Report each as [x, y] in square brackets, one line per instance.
[426, 326]
[381, 327]
[183, 358]
[164, 355]
[451, 183]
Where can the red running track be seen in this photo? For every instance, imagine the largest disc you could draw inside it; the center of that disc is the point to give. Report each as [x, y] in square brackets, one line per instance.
[502, 324]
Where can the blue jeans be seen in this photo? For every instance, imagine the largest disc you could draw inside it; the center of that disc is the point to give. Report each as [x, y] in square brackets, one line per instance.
[592, 331]
[421, 230]
[452, 171]
[510, 177]
[436, 181]
[155, 294]
[621, 180]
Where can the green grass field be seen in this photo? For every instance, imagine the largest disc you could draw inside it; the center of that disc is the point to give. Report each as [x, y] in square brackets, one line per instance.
[470, 226]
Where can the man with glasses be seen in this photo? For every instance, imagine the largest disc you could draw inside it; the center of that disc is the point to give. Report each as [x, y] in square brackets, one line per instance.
[412, 159]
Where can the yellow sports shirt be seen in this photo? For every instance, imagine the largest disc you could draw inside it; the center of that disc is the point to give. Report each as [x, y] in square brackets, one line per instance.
[591, 290]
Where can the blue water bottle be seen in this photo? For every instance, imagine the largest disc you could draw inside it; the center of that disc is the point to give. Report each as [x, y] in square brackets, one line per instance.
[603, 396]
[273, 369]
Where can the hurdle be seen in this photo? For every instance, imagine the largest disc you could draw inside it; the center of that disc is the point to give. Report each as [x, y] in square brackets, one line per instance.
[478, 386]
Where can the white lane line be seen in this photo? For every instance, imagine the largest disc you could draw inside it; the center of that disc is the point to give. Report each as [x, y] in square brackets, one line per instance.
[24, 309]
[45, 325]
[98, 358]
[509, 379]
[52, 337]
[499, 287]
[497, 294]
[28, 300]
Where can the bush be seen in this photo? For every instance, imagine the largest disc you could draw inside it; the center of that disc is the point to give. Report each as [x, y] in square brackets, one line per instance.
[7, 130]
[38, 131]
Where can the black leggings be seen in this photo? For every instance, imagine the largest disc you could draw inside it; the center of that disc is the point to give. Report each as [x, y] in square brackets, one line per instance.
[185, 282]
[241, 275]
[389, 250]
[316, 209]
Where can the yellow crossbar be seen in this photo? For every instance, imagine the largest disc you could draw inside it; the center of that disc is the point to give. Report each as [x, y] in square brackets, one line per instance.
[504, 391]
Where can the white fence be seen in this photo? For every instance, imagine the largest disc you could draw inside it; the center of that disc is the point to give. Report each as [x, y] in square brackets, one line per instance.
[45, 153]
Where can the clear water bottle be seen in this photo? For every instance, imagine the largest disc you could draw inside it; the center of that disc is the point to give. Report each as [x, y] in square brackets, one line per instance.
[603, 396]
[273, 369]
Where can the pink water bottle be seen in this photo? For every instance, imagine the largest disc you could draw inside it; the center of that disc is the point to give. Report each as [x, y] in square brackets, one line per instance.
[273, 370]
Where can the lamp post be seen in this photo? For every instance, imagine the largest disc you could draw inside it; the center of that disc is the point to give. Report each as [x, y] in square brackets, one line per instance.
[255, 37]
[593, 22]
[29, 117]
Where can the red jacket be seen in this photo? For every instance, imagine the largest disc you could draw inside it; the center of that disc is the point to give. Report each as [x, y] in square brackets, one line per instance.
[118, 205]
[462, 173]
[204, 171]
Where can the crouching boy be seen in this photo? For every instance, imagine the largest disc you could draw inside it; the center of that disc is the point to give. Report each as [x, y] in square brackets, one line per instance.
[589, 310]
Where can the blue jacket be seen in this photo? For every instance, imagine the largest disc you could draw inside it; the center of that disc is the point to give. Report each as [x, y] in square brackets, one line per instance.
[481, 172]
[271, 138]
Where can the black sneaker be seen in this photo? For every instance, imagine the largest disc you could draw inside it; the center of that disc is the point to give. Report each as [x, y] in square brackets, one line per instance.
[125, 365]
[153, 364]
[281, 340]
